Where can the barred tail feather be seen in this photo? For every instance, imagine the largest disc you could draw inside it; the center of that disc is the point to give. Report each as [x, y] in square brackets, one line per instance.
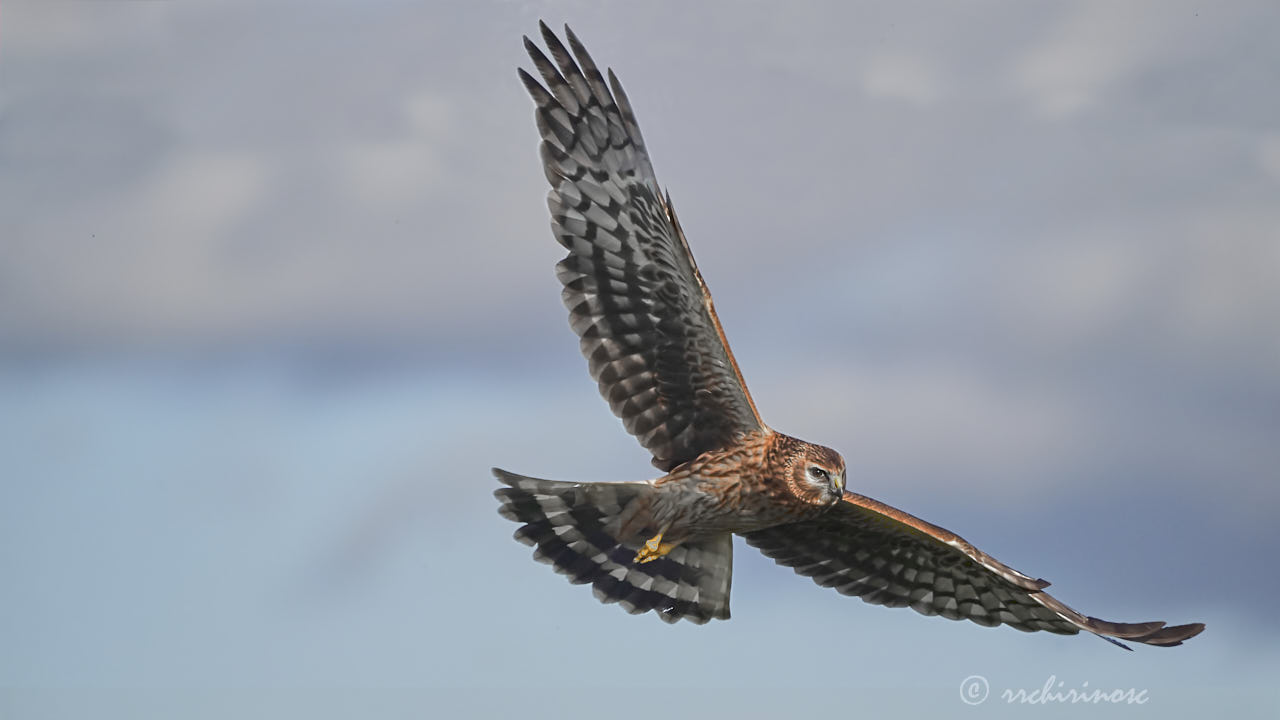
[590, 532]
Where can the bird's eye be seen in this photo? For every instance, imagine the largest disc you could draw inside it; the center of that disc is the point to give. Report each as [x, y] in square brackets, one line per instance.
[818, 473]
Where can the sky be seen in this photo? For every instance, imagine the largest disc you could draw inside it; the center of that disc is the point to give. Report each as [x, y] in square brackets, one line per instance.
[277, 291]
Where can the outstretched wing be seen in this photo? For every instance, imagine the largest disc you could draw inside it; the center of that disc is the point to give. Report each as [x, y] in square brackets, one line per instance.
[885, 556]
[634, 293]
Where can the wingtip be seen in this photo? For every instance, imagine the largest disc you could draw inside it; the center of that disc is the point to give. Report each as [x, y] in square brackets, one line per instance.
[579, 49]
[1156, 634]
[547, 33]
[1174, 635]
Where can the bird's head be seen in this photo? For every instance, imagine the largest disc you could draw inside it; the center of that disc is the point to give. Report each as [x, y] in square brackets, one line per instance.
[817, 474]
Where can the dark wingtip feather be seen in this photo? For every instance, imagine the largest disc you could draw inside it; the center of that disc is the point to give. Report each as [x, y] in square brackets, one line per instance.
[530, 83]
[553, 40]
[580, 52]
[573, 39]
[1172, 636]
[548, 34]
[504, 477]
[1152, 633]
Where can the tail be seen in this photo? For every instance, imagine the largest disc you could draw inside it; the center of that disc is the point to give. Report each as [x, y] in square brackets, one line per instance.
[591, 533]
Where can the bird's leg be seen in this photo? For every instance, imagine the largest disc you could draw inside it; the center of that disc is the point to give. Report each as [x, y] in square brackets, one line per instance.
[654, 548]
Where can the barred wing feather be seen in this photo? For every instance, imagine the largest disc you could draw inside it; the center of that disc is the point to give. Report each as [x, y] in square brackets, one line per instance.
[887, 557]
[635, 297]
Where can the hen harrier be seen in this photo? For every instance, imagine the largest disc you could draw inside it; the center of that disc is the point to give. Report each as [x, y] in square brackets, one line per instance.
[653, 343]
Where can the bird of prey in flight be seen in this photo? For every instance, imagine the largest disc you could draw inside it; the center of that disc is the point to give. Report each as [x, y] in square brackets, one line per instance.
[654, 345]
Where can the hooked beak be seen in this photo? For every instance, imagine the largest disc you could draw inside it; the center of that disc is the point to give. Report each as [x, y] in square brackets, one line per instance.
[839, 483]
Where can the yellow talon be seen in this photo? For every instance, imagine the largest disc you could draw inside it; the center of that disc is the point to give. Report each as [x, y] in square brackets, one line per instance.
[653, 549]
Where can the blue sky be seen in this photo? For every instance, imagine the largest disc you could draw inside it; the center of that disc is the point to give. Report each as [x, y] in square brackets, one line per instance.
[278, 291]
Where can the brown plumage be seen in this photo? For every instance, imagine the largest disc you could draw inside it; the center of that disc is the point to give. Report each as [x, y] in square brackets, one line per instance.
[657, 350]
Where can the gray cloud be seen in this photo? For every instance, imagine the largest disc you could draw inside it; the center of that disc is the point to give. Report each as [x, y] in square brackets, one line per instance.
[181, 173]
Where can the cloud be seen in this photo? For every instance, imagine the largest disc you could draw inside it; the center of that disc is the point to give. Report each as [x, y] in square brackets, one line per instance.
[907, 78]
[1092, 48]
[394, 172]
[372, 188]
[149, 254]
[52, 31]
[1269, 155]
[981, 432]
